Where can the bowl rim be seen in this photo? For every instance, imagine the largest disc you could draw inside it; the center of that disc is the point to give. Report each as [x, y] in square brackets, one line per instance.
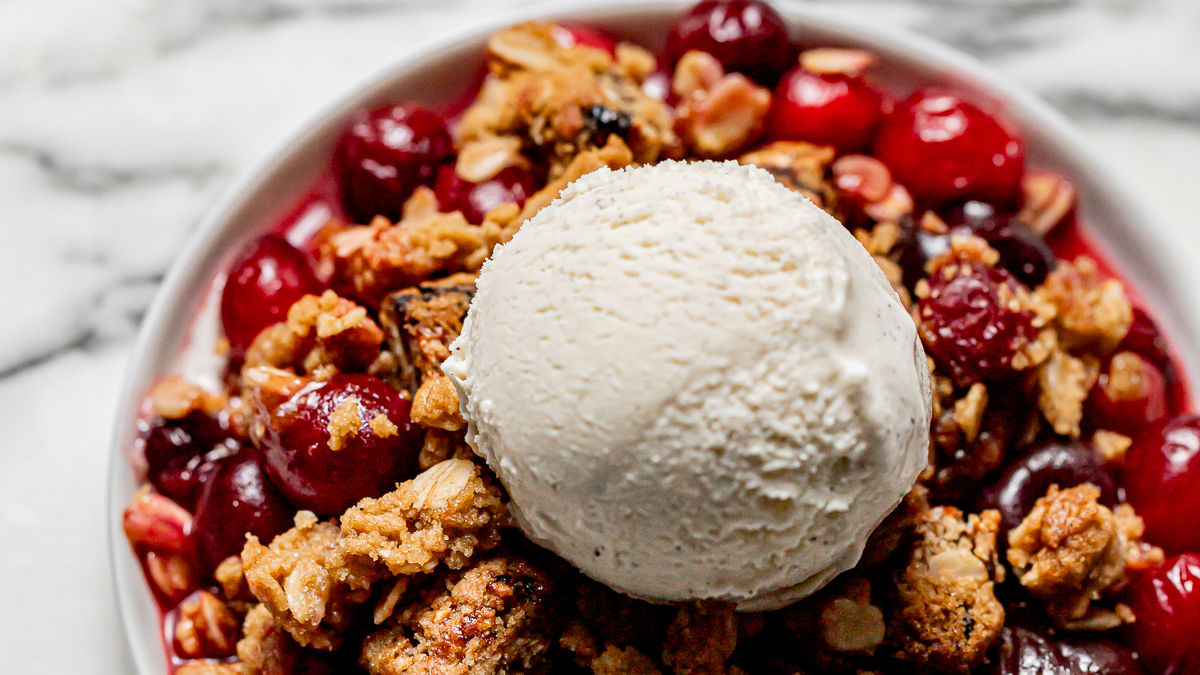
[1176, 278]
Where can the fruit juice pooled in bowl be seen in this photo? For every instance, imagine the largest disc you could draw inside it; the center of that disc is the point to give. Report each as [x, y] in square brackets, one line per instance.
[731, 358]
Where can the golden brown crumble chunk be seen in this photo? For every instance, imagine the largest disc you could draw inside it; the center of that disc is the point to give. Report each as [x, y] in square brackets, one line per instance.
[446, 513]
[1090, 310]
[265, 649]
[491, 619]
[803, 167]
[718, 113]
[1071, 551]
[623, 661]
[701, 639]
[946, 614]
[564, 101]
[301, 581]
[369, 261]
[320, 331]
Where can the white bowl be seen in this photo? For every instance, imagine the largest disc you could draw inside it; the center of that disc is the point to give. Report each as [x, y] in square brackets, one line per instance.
[441, 71]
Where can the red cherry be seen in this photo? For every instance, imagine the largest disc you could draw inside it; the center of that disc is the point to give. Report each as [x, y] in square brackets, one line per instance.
[1162, 482]
[299, 459]
[1130, 394]
[263, 283]
[568, 35]
[1166, 603]
[236, 500]
[944, 149]
[512, 184]
[1146, 340]
[746, 36]
[387, 154]
[968, 329]
[826, 109]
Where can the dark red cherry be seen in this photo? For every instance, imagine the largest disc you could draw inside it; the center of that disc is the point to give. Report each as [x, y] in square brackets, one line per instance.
[967, 327]
[179, 454]
[263, 282]
[825, 109]
[1162, 482]
[1024, 651]
[568, 35]
[1145, 339]
[944, 149]
[513, 184]
[1130, 395]
[746, 36]
[1166, 603]
[1022, 251]
[237, 499]
[369, 460]
[1065, 464]
[387, 154]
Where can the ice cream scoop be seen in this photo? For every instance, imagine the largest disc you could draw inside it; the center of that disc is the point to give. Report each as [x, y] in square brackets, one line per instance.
[694, 383]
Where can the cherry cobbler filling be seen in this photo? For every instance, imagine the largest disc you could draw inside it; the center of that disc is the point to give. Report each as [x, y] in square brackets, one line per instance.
[323, 512]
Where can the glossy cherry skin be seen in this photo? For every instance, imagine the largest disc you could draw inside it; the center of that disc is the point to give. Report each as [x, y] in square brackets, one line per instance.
[513, 184]
[746, 36]
[1022, 251]
[237, 499]
[944, 149]
[1146, 340]
[966, 326]
[1166, 602]
[1023, 651]
[263, 282]
[179, 454]
[1162, 482]
[1128, 408]
[387, 154]
[1023, 482]
[825, 109]
[568, 35]
[298, 457]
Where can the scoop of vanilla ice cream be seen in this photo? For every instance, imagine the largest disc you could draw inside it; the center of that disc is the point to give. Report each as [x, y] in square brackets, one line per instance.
[694, 383]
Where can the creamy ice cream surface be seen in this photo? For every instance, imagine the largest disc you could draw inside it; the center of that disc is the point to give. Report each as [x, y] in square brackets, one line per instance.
[694, 383]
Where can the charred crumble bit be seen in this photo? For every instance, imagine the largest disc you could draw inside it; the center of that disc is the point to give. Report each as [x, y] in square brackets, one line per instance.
[420, 323]
[800, 166]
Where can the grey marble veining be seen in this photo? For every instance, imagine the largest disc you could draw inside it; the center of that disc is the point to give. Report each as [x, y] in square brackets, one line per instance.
[121, 121]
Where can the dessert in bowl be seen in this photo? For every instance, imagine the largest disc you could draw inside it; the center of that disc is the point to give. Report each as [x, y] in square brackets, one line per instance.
[1043, 463]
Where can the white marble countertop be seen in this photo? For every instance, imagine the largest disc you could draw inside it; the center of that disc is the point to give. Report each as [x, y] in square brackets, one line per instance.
[121, 121]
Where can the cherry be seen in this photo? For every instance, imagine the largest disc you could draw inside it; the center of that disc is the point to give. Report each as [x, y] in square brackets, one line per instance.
[746, 36]
[1023, 482]
[511, 184]
[179, 454]
[1146, 340]
[263, 282]
[1166, 603]
[1022, 251]
[236, 500]
[825, 109]
[916, 247]
[1162, 482]
[944, 149]
[1023, 651]
[386, 154]
[299, 457]
[568, 35]
[1130, 394]
[966, 326]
